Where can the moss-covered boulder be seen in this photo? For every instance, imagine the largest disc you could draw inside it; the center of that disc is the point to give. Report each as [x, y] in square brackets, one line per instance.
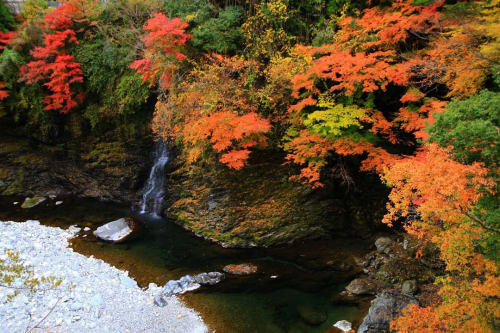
[32, 202]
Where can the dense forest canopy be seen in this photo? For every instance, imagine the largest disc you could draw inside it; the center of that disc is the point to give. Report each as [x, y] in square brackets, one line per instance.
[406, 89]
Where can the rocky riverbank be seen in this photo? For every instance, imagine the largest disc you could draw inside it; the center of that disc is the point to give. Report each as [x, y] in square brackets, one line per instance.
[93, 296]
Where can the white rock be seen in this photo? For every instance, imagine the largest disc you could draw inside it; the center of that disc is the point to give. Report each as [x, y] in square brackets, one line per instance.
[343, 325]
[115, 231]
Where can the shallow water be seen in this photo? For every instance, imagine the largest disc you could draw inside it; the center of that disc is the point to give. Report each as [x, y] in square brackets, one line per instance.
[307, 274]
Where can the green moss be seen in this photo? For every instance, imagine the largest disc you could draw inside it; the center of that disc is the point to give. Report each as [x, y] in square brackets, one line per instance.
[16, 186]
[30, 159]
[32, 202]
[10, 147]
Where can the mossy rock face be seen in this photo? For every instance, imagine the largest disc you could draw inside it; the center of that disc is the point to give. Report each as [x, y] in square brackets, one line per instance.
[105, 170]
[256, 206]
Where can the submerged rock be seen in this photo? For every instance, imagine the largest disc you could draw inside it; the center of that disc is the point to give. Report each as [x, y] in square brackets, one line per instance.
[241, 269]
[361, 286]
[385, 307]
[32, 202]
[343, 325]
[117, 231]
[311, 314]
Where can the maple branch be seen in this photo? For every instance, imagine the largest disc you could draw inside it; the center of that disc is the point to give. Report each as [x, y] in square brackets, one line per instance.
[479, 221]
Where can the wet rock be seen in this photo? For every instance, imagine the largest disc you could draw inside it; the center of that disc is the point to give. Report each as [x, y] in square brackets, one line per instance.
[311, 314]
[343, 325]
[175, 287]
[385, 307]
[409, 287]
[74, 229]
[383, 245]
[209, 279]
[32, 202]
[189, 283]
[117, 231]
[241, 269]
[361, 286]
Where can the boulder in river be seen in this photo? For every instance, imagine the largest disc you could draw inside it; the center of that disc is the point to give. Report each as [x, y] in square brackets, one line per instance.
[209, 279]
[32, 202]
[361, 286]
[384, 308]
[343, 325]
[189, 283]
[311, 314]
[117, 231]
[241, 269]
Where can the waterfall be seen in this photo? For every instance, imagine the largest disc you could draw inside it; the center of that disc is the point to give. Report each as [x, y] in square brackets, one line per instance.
[154, 190]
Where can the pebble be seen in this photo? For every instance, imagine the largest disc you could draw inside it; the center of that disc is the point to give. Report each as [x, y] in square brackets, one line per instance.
[94, 296]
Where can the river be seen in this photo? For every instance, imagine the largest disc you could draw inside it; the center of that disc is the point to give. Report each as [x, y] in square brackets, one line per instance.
[291, 281]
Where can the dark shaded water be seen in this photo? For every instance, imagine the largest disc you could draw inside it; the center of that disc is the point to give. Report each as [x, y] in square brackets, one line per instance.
[306, 276]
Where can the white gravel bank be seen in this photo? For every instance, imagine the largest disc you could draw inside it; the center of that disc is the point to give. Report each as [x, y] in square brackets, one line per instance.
[102, 299]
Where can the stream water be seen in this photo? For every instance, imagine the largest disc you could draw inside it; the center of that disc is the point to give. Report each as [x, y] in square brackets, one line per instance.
[306, 275]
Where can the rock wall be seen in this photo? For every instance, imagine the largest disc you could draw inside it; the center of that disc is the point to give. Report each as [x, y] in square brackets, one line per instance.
[101, 170]
[259, 206]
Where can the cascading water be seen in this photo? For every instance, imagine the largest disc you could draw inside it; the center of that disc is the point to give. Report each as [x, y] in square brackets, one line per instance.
[154, 190]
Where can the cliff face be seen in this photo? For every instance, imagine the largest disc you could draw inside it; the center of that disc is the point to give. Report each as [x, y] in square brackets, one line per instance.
[259, 206]
[256, 206]
[94, 169]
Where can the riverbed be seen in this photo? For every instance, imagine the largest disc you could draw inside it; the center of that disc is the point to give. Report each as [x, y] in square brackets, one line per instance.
[291, 283]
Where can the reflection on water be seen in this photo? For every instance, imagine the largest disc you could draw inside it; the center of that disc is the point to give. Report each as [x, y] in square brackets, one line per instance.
[306, 275]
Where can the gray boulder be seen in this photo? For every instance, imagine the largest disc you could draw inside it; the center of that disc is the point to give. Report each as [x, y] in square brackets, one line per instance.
[209, 279]
[409, 287]
[383, 245]
[117, 231]
[184, 284]
[361, 286]
[189, 283]
[384, 308]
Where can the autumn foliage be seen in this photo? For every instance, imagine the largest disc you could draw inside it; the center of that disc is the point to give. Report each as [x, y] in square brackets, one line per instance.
[214, 106]
[53, 65]
[162, 49]
[436, 197]
[406, 90]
